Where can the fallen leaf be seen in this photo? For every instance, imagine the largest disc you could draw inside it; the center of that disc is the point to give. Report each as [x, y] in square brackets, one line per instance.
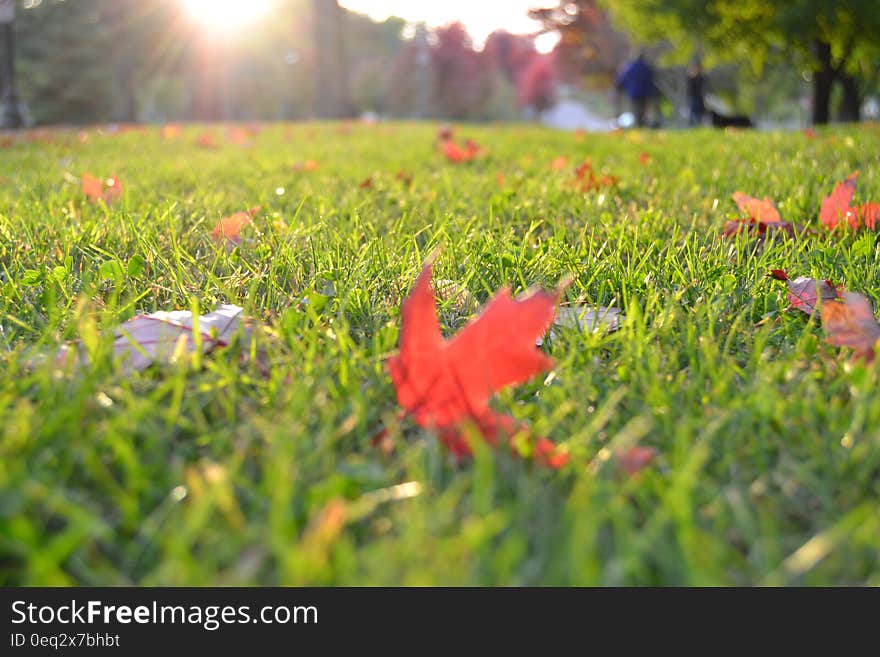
[161, 336]
[206, 140]
[446, 385]
[170, 131]
[635, 459]
[146, 338]
[586, 180]
[761, 210]
[850, 322]
[308, 165]
[835, 208]
[112, 189]
[92, 187]
[804, 293]
[229, 228]
[444, 133]
[870, 214]
[549, 454]
[763, 219]
[586, 318]
[95, 189]
[238, 136]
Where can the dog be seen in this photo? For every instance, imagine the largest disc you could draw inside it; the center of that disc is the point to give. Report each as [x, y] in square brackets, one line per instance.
[735, 121]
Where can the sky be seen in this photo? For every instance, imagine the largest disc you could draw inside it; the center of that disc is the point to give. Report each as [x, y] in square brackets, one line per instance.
[480, 17]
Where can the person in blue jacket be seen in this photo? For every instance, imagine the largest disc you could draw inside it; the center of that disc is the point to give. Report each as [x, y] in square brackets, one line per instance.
[636, 80]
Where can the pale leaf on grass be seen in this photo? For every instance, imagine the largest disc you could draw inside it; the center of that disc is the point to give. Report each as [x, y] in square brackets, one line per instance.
[586, 319]
[145, 339]
[162, 336]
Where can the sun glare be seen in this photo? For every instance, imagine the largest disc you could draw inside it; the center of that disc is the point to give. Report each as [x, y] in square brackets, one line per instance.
[225, 15]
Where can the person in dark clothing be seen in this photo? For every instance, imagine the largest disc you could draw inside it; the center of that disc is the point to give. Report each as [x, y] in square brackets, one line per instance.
[696, 84]
[636, 80]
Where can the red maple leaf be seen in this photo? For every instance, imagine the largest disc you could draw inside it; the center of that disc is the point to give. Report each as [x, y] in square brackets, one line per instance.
[850, 323]
[835, 208]
[870, 214]
[446, 385]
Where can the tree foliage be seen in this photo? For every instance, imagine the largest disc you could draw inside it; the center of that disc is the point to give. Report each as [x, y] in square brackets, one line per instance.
[832, 40]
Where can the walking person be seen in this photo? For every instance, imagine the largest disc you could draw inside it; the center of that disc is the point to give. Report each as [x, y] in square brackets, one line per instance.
[636, 80]
[696, 87]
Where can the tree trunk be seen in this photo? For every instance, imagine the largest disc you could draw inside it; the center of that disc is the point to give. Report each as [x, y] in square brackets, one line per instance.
[851, 104]
[823, 77]
[331, 65]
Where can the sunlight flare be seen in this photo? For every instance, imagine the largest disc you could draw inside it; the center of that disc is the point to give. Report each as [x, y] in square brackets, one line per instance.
[225, 15]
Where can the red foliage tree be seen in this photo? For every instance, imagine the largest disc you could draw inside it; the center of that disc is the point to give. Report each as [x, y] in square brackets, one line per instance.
[461, 80]
[509, 54]
[537, 85]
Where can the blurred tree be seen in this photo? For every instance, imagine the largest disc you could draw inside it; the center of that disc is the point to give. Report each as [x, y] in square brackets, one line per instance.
[509, 54]
[833, 41]
[411, 85]
[537, 85]
[331, 60]
[589, 48]
[461, 79]
[376, 45]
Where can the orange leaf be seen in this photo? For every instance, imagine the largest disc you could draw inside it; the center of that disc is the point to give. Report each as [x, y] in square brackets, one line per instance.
[850, 323]
[170, 131]
[229, 228]
[92, 187]
[238, 136]
[761, 210]
[308, 165]
[836, 206]
[206, 140]
[96, 189]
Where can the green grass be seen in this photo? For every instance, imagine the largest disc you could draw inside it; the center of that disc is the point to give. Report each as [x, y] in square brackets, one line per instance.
[216, 472]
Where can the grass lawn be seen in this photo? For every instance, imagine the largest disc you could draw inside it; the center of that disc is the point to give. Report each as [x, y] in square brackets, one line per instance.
[213, 471]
